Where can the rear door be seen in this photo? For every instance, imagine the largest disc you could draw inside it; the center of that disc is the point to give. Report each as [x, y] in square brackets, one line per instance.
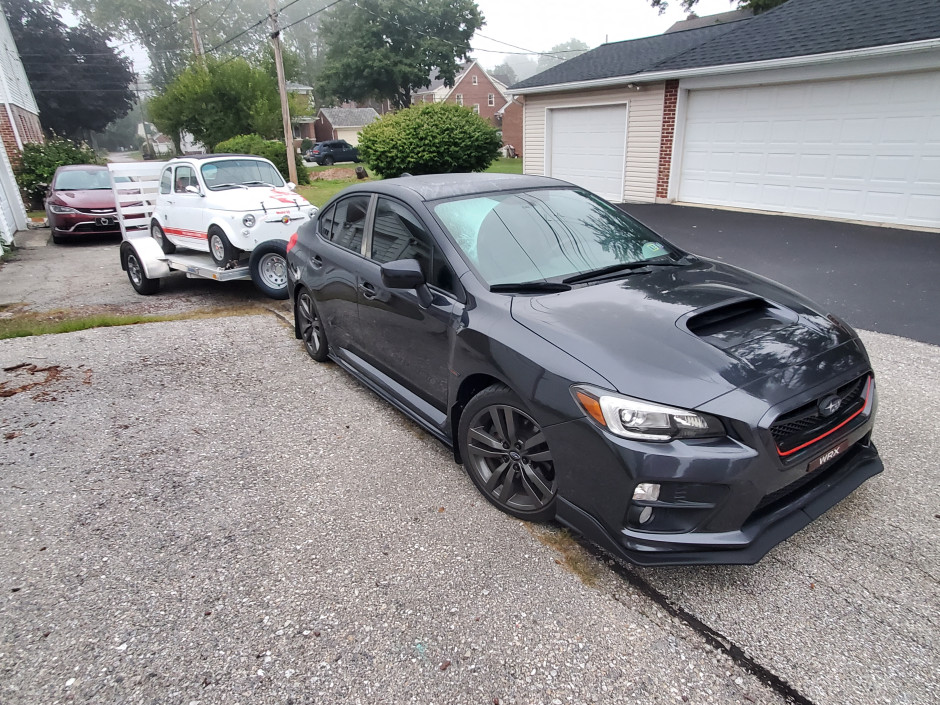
[336, 264]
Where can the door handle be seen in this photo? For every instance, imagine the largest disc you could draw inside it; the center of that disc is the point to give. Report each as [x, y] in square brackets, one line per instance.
[317, 262]
[368, 291]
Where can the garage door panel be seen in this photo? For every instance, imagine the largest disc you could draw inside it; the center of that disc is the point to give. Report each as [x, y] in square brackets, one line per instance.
[865, 148]
[587, 148]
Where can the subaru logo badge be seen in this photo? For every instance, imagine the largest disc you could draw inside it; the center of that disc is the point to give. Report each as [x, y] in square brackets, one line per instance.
[829, 405]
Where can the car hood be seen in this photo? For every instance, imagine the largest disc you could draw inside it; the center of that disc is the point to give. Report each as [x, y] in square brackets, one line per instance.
[96, 198]
[257, 198]
[685, 335]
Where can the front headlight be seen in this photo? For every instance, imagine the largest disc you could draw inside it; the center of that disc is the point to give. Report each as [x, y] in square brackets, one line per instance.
[249, 221]
[642, 420]
[61, 209]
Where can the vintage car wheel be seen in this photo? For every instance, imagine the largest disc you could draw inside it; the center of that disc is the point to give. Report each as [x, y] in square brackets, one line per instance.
[220, 248]
[156, 232]
[268, 267]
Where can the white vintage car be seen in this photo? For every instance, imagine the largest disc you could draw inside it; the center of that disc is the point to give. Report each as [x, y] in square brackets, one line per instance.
[228, 205]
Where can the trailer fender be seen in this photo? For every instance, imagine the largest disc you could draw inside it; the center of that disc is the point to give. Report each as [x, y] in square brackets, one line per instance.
[149, 255]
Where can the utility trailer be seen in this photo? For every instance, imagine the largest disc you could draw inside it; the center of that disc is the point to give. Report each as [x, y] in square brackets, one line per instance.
[136, 187]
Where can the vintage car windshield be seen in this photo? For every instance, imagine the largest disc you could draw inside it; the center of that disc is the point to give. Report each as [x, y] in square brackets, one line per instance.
[546, 234]
[85, 180]
[233, 173]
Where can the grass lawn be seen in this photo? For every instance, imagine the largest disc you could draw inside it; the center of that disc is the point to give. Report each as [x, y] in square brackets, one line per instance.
[319, 192]
[35, 214]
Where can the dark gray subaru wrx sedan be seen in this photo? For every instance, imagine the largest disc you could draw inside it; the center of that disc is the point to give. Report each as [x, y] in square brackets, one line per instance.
[673, 409]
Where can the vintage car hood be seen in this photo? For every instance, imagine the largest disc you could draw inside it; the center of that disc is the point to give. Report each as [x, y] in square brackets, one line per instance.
[257, 198]
[687, 334]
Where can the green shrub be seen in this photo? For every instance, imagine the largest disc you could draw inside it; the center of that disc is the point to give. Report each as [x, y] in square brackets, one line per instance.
[436, 138]
[39, 162]
[305, 144]
[272, 150]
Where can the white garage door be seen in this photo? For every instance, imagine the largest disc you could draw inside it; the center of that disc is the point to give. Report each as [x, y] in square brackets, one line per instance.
[861, 149]
[587, 148]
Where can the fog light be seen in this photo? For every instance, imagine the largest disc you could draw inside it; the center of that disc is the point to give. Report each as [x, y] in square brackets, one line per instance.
[646, 492]
[646, 515]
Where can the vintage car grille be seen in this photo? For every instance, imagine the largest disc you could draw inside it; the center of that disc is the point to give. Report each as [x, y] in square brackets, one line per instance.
[804, 424]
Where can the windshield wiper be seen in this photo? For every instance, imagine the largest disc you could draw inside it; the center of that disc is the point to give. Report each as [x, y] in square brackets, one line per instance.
[218, 186]
[621, 267]
[526, 287]
[259, 183]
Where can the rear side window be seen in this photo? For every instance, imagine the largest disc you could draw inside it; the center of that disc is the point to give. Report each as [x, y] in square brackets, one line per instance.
[166, 180]
[398, 234]
[348, 220]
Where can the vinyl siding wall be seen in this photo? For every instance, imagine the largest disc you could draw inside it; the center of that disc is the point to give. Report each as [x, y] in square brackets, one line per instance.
[644, 132]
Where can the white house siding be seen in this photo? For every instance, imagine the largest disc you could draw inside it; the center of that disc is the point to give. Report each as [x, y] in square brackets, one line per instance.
[644, 131]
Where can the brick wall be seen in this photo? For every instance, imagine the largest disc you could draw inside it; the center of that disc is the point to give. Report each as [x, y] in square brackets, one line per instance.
[665, 144]
[26, 123]
[512, 126]
[478, 94]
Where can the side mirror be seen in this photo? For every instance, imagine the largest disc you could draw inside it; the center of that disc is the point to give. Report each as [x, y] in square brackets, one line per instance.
[193, 189]
[407, 274]
[291, 185]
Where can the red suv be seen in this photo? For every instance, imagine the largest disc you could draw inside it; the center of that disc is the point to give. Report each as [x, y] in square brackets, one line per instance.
[80, 202]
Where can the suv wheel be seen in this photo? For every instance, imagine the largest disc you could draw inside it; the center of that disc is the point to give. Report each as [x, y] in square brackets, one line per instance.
[328, 161]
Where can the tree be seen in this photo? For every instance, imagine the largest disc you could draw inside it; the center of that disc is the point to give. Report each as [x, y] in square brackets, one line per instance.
[429, 138]
[561, 53]
[758, 6]
[385, 49]
[505, 73]
[81, 84]
[217, 100]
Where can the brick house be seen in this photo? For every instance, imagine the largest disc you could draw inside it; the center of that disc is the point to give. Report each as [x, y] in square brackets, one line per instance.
[824, 108]
[473, 87]
[342, 123]
[509, 120]
[19, 124]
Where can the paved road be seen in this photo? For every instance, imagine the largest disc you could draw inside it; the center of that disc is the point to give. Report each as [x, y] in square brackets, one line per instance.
[196, 511]
[880, 279]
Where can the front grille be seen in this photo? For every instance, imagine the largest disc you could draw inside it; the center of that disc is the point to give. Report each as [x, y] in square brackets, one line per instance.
[97, 211]
[805, 424]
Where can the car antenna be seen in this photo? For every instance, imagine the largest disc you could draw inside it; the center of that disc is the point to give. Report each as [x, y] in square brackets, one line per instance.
[263, 208]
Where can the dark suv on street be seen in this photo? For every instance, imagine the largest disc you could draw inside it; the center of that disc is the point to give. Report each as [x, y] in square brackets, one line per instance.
[332, 151]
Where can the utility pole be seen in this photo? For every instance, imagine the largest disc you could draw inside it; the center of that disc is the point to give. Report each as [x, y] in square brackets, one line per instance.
[282, 88]
[197, 40]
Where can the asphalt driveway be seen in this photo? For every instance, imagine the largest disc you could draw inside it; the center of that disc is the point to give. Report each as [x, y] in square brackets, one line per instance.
[880, 279]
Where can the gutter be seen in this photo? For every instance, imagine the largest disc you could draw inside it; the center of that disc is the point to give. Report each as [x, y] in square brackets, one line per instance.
[721, 69]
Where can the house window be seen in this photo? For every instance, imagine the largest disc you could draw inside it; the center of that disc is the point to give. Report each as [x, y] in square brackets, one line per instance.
[460, 99]
[491, 99]
[476, 108]
[474, 80]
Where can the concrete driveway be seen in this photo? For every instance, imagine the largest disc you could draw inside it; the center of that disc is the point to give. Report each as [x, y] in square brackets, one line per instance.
[197, 512]
[880, 279]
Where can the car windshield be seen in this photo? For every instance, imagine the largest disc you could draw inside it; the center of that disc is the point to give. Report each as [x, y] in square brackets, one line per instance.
[83, 180]
[547, 234]
[232, 173]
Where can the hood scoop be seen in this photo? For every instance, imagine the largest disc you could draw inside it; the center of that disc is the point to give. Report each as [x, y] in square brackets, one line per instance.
[737, 321]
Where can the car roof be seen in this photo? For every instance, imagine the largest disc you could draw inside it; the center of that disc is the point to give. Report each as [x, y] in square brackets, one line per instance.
[82, 167]
[435, 186]
[200, 157]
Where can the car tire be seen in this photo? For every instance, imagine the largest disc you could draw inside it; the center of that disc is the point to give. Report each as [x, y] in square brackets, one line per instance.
[156, 232]
[268, 267]
[221, 250]
[506, 455]
[310, 326]
[328, 161]
[57, 239]
[142, 284]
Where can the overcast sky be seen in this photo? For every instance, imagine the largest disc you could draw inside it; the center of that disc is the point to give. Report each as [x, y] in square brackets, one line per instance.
[538, 25]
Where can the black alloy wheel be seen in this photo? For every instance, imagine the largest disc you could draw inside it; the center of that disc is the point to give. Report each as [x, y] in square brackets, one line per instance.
[506, 455]
[328, 161]
[310, 327]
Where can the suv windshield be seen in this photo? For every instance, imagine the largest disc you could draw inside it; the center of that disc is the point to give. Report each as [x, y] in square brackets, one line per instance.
[232, 173]
[546, 234]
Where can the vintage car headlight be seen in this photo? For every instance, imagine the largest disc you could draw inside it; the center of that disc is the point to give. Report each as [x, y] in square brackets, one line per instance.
[61, 209]
[249, 221]
[643, 420]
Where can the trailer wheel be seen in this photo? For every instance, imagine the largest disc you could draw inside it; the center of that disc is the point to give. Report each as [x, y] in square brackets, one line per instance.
[220, 248]
[138, 277]
[268, 267]
[156, 232]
